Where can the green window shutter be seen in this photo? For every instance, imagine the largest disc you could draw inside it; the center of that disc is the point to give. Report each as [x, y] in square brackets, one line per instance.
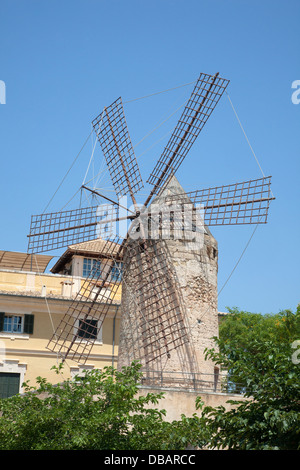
[28, 324]
[2, 320]
[9, 384]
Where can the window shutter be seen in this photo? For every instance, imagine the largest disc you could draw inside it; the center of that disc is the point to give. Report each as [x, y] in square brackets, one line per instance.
[2, 320]
[28, 324]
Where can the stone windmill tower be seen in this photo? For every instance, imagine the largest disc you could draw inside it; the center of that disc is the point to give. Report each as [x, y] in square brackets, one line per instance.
[192, 253]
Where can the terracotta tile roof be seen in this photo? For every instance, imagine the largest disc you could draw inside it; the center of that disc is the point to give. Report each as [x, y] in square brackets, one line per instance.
[14, 260]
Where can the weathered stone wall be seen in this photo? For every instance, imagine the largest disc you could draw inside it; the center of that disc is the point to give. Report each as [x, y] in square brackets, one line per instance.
[196, 271]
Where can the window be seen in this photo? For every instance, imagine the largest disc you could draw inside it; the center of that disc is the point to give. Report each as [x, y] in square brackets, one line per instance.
[91, 267]
[11, 324]
[116, 272]
[87, 329]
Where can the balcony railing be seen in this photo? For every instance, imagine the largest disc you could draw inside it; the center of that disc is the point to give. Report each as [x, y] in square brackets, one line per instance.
[213, 383]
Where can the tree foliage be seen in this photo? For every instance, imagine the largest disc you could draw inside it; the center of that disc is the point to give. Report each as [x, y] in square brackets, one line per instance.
[240, 327]
[103, 410]
[258, 352]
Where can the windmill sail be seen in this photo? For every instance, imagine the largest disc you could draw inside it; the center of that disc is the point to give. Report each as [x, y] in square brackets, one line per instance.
[55, 230]
[246, 202]
[113, 135]
[203, 100]
[79, 328]
[153, 321]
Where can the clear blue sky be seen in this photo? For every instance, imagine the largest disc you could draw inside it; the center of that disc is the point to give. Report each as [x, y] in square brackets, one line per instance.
[62, 61]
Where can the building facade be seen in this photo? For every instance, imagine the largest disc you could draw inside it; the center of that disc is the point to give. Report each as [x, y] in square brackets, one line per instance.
[32, 302]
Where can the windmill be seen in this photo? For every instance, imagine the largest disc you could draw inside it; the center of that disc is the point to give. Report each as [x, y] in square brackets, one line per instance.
[147, 267]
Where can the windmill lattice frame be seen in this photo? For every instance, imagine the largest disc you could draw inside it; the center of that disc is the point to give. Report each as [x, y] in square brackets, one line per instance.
[161, 317]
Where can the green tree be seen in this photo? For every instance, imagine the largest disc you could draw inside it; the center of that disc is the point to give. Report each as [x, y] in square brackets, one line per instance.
[103, 410]
[241, 326]
[258, 353]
